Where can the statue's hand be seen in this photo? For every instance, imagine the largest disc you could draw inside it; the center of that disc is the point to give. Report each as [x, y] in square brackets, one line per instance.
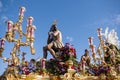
[50, 33]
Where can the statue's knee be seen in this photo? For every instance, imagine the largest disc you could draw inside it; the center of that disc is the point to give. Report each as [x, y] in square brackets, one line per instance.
[48, 47]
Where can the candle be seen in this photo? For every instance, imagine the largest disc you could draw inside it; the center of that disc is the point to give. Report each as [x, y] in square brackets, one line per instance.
[9, 26]
[32, 29]
[28, 31]
[93, 49]
[90, 39]
[22, 10]
[99, 31]
[30, 20]
[43, 63]
[2, 42]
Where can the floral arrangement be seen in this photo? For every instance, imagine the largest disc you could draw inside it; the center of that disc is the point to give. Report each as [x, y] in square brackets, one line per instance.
[68, 52]
[57, 67]
[26, 67]
[97, 70]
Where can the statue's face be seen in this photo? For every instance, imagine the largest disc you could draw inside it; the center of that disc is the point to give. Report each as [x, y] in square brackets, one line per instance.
[53, 28]
[86, 52]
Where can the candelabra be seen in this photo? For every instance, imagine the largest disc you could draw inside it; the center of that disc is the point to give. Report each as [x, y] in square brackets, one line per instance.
[10, 36]
[101, 46]
[100, 49]
[99, 30]
[92, 47]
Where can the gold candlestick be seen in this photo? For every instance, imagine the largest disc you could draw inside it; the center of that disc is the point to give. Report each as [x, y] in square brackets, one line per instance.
[10, 36]
[92, 47]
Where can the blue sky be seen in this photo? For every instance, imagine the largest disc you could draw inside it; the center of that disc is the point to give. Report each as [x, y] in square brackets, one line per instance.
[77, 20]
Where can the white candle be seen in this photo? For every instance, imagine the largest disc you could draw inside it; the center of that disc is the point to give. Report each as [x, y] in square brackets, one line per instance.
[28, 31]
[90, 39]
[22, 10]
[2, 42]
[99, 31]
[43, 63]
[30, 20]
[32, 29]
[9, 26]
[93, 49]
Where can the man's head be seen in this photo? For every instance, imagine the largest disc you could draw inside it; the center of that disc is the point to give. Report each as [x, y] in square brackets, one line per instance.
[53, 27]
[86, 52]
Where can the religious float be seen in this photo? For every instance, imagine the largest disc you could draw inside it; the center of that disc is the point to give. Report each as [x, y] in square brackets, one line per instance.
[103, 64]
